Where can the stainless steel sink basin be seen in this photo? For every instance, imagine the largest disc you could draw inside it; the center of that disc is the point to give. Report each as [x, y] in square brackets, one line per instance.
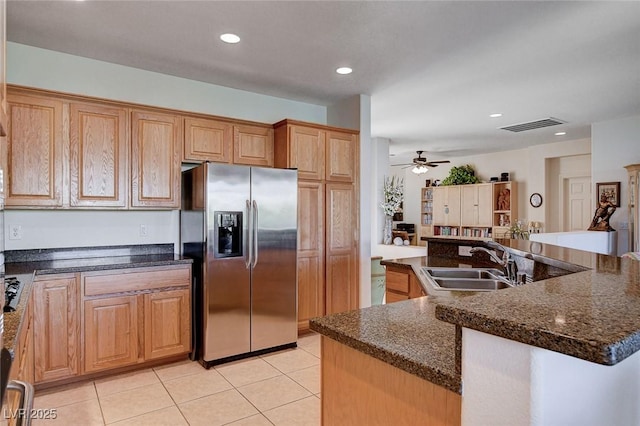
[466, 279]
[470, 284]
[463, 273]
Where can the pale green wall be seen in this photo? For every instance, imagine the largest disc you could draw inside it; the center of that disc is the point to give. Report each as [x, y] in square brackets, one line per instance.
[47, 69]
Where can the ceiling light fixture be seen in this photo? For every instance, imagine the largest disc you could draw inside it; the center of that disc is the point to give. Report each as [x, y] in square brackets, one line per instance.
[230, 38]
[420, 169]
[344, 70]
[561, 133]
[496, 115]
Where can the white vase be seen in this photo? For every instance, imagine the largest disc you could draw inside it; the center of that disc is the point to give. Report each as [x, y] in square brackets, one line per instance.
[387, 237]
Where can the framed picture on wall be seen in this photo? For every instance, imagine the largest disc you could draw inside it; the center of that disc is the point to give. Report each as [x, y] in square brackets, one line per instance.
[609, 189]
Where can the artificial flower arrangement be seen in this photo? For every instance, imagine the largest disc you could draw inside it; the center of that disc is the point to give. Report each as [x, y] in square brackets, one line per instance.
[393, 195]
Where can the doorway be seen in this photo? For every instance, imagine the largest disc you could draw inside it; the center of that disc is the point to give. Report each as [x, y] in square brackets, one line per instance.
[577, 206]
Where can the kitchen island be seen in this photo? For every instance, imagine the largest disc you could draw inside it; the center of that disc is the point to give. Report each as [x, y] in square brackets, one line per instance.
[548, 351]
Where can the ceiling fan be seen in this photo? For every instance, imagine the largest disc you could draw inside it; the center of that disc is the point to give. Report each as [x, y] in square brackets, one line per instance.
[421, 165]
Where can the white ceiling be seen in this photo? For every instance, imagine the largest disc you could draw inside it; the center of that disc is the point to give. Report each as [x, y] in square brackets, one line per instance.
[434, 70]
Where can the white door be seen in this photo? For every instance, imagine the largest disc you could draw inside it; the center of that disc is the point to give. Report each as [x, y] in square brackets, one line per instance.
[577, 203]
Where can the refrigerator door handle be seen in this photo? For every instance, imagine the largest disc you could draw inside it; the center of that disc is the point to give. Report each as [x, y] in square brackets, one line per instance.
[255, 233]
[247, 252]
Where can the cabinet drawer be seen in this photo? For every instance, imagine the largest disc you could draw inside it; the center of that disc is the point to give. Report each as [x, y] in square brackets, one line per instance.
[395, 297]
[397, 281]
[96, 284]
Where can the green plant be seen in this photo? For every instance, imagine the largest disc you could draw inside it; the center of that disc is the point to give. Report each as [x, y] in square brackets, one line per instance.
[460, 175]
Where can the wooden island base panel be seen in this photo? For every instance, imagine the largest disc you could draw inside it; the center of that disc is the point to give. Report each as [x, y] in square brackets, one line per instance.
[358, 389]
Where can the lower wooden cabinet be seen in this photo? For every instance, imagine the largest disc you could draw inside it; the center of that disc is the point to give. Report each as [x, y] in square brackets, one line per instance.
[167, 323]
[402, 284]
[95, 321]
[110, 332]
[124, 329]
[310, 252]
[55, 327]
[341, 248]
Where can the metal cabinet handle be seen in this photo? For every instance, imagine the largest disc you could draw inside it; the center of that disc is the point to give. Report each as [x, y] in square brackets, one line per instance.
[247, 252]
[255, 233]
[26, 400]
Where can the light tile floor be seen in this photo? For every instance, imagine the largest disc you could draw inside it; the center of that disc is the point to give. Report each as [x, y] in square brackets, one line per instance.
[281, 388]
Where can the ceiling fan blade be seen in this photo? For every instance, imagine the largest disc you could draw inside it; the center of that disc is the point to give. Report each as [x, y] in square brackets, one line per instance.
[431, 165]
[439, 162]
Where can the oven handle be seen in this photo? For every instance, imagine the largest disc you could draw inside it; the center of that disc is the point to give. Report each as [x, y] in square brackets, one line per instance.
[26, 400]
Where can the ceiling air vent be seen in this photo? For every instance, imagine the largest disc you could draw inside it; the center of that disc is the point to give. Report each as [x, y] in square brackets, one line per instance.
[538, 124]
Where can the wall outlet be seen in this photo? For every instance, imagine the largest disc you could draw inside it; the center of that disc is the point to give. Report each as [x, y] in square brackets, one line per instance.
[15, 232]
[143, 230]
[464, 251]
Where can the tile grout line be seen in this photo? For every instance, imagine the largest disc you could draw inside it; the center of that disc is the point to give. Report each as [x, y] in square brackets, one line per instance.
[175, 404]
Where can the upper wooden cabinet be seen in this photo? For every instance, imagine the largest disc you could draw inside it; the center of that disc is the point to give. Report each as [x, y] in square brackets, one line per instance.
[207, 140]
[302, 148]
[156, 144]
[318, 152]
[342, 164]
[446, 205]
[477, 205]
[98, 155]
[253, 145]
[35, 152]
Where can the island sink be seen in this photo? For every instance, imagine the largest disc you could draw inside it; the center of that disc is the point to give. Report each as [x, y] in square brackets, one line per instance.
[466, 279]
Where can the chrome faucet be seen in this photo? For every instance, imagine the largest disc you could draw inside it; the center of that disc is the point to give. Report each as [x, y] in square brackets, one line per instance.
[507, 262]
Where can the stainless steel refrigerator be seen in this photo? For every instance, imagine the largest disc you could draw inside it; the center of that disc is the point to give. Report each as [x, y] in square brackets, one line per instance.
[239, 224]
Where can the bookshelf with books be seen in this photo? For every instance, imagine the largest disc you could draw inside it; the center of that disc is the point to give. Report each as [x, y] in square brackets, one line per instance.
[426, 214]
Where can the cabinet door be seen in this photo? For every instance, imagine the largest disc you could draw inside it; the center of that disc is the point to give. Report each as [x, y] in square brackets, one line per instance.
[307, 151]
[453, 202]
[446, 205]
[110, 332]
[55, 328]
[156, 144]
[342, 255]
[35, 149]
[341, 160]
[439, 205]
[98, 156]
[253, 145]
[311, 289]
[167, 323]
[485, 204]
[469, 205]
[207, 140]
[476, 203]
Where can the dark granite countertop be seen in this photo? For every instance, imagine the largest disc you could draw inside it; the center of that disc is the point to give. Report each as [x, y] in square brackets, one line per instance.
[592, 313]
[26, 264]
[405, 334]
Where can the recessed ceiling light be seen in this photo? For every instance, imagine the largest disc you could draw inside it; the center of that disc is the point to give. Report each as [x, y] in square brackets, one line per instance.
[496, 115]
[344, 70]
[561, 133]
[230, 38]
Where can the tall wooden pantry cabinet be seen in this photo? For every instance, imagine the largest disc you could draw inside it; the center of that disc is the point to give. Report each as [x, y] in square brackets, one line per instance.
[327, 160]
